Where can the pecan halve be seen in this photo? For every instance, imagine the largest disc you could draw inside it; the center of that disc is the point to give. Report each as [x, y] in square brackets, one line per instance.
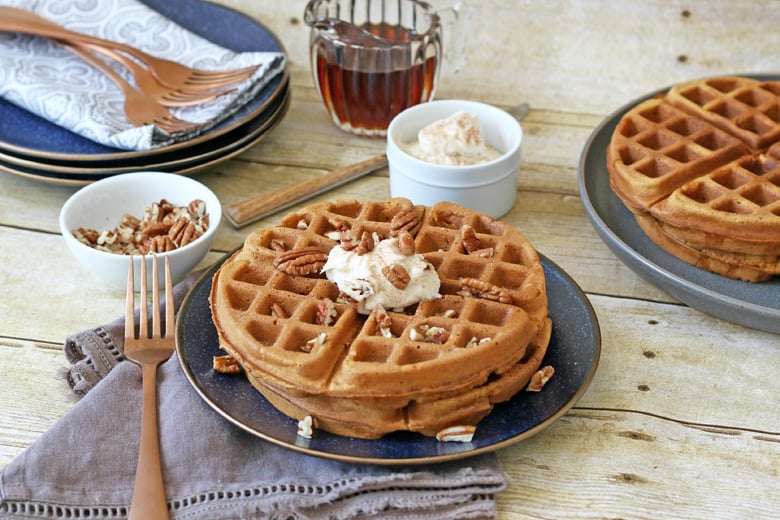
[197, 208]
[226, 364]
[348, 240]
[158, 228]
[277, 245]
[459, 433]
[481, 289]
[278, 312]
[365, 244]
[183, 232]
[486, 252]
[429, 334]
[157, 244]
[90, 235]
[469, 238]
[406, 243]
[397, 275]
[339, 224]
[301, 261]
[408, 219]
[540, 378]
[326, 312]
[383, 320]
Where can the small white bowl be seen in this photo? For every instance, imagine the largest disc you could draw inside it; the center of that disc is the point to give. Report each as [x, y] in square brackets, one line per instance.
[489, 188]
[102, 204]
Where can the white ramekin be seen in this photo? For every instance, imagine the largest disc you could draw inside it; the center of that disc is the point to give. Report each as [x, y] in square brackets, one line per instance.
[489, 188]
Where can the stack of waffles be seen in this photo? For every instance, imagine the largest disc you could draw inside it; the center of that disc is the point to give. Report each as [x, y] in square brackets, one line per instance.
[431, 367]
[699, 166]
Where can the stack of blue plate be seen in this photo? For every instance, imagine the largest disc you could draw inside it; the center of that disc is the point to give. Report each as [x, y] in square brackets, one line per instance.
[33, 147]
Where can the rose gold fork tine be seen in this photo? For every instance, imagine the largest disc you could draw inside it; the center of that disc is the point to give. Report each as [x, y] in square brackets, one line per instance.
[130, 303]
[156, 314]
[169, 72]
[147, 83]
[139, 109]
[144, 313]
[174, 126]
[155, 300]
[229, 77]
[169, 311]
[180, 76]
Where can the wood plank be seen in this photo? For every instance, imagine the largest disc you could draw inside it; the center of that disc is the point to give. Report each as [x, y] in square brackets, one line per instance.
[617, 464]
[32, 397]
[665, 360]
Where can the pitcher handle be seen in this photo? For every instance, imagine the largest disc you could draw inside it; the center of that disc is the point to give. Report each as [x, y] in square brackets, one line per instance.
[453, 24]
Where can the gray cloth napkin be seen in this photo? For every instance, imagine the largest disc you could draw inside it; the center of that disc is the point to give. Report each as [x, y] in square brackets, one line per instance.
[51, 82]
[83, 467]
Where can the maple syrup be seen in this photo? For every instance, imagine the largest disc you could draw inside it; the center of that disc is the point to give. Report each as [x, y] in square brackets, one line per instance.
[365, 85]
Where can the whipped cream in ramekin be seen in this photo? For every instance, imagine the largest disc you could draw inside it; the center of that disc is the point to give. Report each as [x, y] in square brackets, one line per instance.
[456, 140]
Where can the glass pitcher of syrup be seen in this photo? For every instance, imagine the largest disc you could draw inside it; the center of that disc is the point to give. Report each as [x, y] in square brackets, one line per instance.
[370, 60]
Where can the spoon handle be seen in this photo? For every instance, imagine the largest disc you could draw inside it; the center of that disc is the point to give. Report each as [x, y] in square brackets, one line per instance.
[251, 210]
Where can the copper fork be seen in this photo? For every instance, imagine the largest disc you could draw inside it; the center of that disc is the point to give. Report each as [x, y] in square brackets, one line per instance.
[168, 72]
[140, 109]
[148, 84]
[149, 352]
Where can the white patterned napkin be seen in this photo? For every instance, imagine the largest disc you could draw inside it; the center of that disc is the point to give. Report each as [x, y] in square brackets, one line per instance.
[49, 81]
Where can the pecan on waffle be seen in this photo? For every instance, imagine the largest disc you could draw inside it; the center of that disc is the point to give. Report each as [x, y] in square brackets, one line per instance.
[699, 167]
[425, 366]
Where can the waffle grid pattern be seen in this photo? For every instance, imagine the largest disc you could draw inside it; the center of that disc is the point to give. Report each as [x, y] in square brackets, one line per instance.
[354, 360]
[746, 108]
[660, 148]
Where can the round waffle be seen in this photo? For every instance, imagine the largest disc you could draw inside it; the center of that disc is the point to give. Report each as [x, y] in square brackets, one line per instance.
[434, 364]
[700, 168]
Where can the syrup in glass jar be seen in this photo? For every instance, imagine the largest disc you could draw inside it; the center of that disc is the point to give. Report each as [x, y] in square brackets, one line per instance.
[368, 71]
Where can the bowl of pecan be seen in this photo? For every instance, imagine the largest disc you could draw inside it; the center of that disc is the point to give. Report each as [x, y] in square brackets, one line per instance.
[136, 215]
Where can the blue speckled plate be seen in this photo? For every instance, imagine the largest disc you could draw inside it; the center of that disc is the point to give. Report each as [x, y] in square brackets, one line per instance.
[574, 351]
[755, 305]
[28, 136]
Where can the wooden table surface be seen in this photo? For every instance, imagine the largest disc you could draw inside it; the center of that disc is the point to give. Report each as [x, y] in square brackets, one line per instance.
[682, 419]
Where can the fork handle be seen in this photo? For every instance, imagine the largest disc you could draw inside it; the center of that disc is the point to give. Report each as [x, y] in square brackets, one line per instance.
[85, 54]
[148, 502]
[22, 21]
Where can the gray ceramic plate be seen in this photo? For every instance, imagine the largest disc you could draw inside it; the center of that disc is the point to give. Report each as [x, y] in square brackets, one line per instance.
[574, 350]
[749, 304]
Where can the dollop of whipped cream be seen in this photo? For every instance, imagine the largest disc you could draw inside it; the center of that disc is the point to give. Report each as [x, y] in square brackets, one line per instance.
[360, 277]
[454, 141]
